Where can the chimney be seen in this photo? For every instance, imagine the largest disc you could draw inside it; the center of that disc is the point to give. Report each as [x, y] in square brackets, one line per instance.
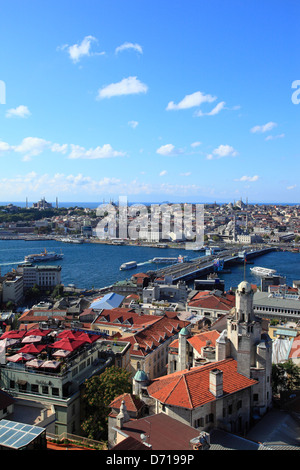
[216, 382]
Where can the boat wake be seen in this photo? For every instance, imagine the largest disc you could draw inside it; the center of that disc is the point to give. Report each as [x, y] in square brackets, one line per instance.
[13, 262]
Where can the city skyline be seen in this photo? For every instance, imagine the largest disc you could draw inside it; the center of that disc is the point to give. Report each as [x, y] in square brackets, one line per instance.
[178, 101]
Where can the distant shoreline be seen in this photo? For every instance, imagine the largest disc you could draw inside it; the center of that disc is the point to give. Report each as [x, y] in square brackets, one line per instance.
[94, 205]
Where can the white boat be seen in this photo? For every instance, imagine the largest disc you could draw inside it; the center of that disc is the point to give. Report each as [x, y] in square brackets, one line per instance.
[128, 265]
[43, 257]
[262, 272]
[72, 240]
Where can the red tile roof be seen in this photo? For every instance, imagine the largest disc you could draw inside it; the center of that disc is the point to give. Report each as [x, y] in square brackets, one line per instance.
[200, 340]
[143, 342]
[128, 317]
[132, 402]
[212, 301]
[190, 388]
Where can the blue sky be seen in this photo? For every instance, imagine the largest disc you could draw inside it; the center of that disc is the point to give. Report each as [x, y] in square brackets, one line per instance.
[185, 100]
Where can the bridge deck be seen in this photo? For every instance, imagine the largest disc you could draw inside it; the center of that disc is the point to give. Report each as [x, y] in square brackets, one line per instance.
[205, 264]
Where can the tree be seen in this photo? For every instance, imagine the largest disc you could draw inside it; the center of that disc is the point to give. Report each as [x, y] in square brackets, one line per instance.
[292, 373]
[100, 391]
[285, 376]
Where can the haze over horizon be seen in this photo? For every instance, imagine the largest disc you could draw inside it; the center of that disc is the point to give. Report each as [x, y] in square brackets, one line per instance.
[179, 101]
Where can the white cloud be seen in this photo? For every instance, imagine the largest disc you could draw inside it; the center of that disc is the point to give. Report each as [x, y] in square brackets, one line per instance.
[92, 154]
[4, 147]
[31, 147]
[77, 51]
[20, 111]
[264, 128]
[274, 137]
[127, 86]
[133, 124]
[163, 173]
[196, 144]
[129, 45]
[190, 101]
[222, 151]
[188, 173]
[33, 184]
[248, 178]
[214, 111]
[59, 148]
[291, 187]
[168, 150]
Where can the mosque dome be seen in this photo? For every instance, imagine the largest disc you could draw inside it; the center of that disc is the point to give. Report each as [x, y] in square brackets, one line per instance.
[184, 331]
[140, 376]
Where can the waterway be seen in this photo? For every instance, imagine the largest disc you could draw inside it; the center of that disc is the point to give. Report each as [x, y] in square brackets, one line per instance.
[91, 265]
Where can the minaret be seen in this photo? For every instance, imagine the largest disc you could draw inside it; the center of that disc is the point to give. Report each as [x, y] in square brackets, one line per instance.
[182, 349]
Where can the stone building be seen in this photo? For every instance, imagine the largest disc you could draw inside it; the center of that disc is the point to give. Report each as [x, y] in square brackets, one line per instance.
[229, 392]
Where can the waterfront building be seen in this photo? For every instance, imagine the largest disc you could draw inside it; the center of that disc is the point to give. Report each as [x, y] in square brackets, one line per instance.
[45, 277]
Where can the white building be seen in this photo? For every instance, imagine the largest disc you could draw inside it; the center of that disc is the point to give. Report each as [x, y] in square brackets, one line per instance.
[12, 288]
[45, 277]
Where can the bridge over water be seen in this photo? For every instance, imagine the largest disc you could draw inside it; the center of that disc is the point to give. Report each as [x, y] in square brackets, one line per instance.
[204, 265]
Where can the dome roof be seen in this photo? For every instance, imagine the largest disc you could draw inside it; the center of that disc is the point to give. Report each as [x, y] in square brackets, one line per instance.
[184, 331]
[140, 376]
[244, 286]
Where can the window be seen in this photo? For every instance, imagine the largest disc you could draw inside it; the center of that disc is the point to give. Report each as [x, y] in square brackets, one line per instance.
[45, 389]
[34, 388]
[198, 423]
[255, 397]
[55, 391]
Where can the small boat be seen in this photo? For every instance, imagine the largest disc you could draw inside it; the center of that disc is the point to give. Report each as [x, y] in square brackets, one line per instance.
[262, 272]
[128, 265]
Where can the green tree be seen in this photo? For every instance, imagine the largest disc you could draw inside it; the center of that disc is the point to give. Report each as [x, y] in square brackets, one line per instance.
[278, 378]
[99, 392]
[292, 374]
[285, 376]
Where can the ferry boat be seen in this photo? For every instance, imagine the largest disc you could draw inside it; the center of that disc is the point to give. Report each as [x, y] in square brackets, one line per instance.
[262, 272]
[128, 265]
[72, 240]
[43, 257]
